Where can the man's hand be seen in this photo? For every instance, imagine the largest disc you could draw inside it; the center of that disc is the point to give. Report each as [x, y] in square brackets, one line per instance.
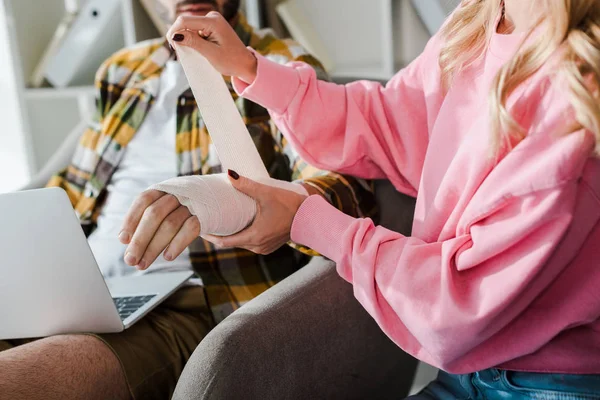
[157, 222]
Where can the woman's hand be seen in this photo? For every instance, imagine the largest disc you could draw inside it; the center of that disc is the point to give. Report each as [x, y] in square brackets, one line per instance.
[214, 38]
[157, 222]
[275, 212]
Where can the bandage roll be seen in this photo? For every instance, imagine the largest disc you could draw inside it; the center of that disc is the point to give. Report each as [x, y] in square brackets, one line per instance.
[220, 208]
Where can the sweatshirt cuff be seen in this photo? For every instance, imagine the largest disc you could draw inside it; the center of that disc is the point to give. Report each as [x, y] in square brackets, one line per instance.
[274, 87]
[322, 227]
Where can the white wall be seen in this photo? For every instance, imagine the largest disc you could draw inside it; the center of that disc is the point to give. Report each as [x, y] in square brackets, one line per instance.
[15, 168]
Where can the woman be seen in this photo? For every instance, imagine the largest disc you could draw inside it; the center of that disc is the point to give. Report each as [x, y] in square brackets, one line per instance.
[495, 129]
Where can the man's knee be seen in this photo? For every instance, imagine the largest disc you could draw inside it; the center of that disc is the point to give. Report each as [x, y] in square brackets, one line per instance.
[72, 366]
[65, 352]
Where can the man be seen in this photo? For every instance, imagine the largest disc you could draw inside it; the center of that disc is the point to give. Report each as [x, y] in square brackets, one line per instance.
[145, 109]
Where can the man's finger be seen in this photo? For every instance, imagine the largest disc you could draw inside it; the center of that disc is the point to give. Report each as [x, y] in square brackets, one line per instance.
[186, 235]
[134, 215]
[247, 237]
[151, 219]
[164, 235]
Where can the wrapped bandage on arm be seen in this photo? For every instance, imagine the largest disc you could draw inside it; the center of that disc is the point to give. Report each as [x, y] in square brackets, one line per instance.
[219, 207]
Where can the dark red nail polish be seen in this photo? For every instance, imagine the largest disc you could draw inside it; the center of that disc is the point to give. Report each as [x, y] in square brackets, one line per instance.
[178, 37]
[233, 174]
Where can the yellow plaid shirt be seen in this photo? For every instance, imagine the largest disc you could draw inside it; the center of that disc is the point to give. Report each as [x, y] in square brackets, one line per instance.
[127, 85]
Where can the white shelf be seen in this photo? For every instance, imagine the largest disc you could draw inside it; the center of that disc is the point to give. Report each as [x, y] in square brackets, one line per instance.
[367, 38]
[52, 93]
[434, 12]
[253, 13]
[46, 115]
[356, 35]
[373, 71]
[16, 152]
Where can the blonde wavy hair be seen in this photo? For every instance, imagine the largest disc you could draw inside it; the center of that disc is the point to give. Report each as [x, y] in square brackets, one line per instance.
[573, 26]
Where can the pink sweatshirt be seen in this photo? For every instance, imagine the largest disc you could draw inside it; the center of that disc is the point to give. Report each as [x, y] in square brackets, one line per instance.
[502, 268]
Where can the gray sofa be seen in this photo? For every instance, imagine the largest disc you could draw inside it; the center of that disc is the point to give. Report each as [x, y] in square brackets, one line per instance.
[306, 338]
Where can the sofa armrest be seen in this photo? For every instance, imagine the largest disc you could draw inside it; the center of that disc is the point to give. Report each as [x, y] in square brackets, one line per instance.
[305, 338]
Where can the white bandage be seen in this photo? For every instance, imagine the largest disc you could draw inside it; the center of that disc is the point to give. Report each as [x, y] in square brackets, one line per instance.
[220, 208]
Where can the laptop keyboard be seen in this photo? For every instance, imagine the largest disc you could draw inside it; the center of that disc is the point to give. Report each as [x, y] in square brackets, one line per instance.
[128, 305]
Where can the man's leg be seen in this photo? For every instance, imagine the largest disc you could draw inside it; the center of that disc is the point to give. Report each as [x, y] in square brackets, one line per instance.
[154, 351]
[143, 362]
[62, 367]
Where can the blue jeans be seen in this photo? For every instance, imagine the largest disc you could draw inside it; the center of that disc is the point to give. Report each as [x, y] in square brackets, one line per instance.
[495, 384]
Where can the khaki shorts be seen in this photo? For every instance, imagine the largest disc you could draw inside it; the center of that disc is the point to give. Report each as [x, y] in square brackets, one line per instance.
[154, 351]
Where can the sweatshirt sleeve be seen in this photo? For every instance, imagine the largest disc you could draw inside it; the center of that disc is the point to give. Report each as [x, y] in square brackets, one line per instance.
[361, 129]
[439, 301]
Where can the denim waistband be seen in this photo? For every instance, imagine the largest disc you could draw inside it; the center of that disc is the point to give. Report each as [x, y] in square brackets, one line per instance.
[499, 384]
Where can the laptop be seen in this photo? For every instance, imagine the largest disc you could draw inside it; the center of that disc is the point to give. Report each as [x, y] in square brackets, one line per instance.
[50, 283]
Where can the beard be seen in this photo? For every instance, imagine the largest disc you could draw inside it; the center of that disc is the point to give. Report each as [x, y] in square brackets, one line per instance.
[228, 10]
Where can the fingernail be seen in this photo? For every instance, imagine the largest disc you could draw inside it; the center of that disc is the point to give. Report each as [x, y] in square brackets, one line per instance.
[130, 259]
[141, 265]
[178, 37]
[167, 255]
[124, 237]
[233, 174]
